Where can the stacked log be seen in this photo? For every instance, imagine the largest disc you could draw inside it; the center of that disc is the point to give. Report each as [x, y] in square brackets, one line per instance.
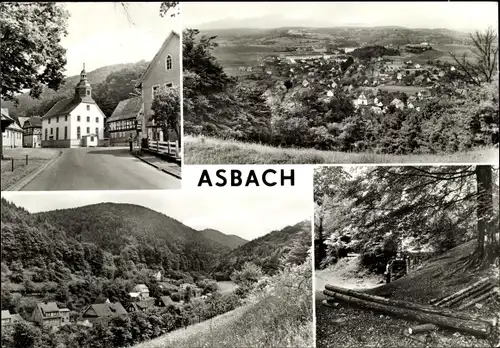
[471, 290]
[439, 316]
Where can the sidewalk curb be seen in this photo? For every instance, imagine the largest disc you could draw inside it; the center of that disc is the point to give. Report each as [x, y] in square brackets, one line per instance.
[157, 167]
[27, 179]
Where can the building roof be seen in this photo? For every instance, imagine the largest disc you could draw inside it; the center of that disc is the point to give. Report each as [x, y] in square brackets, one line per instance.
[33, 121]
[14, 126]
[107, 309]
[166, 300]
[47, 307]
[141, 288]
[141, 305]
[134, 294]
[63, 107]
[17, 317]
[165, 43]
[126, 109]
[6, 314]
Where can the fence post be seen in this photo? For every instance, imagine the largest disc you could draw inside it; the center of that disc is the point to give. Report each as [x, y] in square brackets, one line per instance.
[168, 147]
[26, 159]
[12, 162]
[157, 146]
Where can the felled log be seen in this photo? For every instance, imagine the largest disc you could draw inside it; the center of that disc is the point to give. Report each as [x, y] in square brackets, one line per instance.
[478, 299]
[479, 291]
[401, 304]
[421, 328]
[471, 288]
[474, 327]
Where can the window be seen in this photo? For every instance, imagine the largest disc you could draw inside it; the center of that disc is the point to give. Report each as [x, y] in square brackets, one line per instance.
[57, 133]
[170, 84]
[51, 131]
[65, 132]
[88, 118]
[88, 106]
[65, 118]
[46, 134]
[78, 118]
[78, 132]
[155, 90]
[57, 119]
[168, 62]
[48, 120]
[97, 119]
[96, 131]
[88, 93]
[88, 130]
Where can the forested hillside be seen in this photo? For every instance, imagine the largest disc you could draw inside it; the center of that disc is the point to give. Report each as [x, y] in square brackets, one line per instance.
[268, 251]
[232, 241]
[110, 85]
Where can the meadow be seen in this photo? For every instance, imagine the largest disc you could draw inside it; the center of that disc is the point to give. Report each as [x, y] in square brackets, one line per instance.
[205, 150]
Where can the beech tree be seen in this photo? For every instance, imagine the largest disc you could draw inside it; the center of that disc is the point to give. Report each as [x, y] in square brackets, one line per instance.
[32, 55]
[413, 201]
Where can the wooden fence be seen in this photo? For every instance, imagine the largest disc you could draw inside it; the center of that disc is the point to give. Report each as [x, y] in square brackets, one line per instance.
[169, 148]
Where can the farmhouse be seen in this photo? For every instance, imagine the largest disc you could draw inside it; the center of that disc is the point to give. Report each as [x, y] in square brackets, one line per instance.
[141, 305]
[125, 121]
[48, 314]
[32, 132]
[76, 121]
[9, 319]
[163, 71]
[140, 292]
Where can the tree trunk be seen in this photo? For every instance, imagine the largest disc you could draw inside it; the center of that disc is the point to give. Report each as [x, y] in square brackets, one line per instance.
[421, 328]
[474, 294]
[468, 290]
[483, 297]
[485, 252]
[402, 304]
[477, 328]
[321, 243]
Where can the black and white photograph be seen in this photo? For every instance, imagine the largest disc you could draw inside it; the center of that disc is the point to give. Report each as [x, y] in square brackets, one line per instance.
[333, 82]
[142, 269]
[407, 256]
[90, 96]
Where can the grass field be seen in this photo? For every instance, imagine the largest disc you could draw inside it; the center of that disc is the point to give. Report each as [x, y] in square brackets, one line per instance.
[204, 150]
[405, 89]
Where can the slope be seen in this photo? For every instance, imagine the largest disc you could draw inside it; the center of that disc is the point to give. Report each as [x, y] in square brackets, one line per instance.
[265, 251]
[230, 240]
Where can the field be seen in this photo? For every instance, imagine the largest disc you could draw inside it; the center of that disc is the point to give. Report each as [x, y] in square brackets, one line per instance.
[226, 286]
[233, 56]
[205, 150]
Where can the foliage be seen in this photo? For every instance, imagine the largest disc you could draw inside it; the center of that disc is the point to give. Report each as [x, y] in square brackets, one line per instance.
[167, 110]
[32, 55]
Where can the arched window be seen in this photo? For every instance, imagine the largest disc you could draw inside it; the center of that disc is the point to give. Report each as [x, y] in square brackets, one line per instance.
[168, 62]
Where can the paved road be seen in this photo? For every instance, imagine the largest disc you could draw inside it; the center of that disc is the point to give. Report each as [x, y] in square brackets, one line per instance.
[100, 169]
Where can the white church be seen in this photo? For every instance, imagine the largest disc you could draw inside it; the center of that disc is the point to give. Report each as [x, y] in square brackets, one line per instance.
[76, 121]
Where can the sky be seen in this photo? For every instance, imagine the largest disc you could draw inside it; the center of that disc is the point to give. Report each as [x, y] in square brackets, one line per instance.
[248, 213]
[446, 14]
[100, 34]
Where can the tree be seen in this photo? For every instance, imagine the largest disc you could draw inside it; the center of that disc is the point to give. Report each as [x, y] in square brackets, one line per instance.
[483, 66]
[32, 55]
[167, 110]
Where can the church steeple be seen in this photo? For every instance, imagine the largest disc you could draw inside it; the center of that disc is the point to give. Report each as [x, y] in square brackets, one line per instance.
[83, 89]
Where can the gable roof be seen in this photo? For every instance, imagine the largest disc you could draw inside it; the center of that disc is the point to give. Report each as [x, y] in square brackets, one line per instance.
[33, 121]
[47, 307]
[65, 106]
[140, 288]
[166, 300]
[165, 43]
[125, 109]
[141, 305]
[107, 309]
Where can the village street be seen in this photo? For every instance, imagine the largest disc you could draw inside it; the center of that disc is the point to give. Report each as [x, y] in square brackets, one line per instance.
[100, 169]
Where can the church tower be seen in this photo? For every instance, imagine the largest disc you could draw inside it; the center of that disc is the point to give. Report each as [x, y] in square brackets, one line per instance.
[83, 89]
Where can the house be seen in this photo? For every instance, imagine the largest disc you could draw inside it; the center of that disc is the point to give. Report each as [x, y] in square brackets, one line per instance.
[156, 276]
[9, 319]
[32, 132]
[141, 305]
[398, 103]
[362, 100]
[163, 71]
[101, 312]
[165, 301]
[140, 292]
[125, 121]
[13, 136]
[48, 314]
[74, 119]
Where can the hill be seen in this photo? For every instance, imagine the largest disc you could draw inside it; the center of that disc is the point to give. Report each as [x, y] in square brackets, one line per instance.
[231, 241]
[102, 238]
[266, 251]
[30, 107]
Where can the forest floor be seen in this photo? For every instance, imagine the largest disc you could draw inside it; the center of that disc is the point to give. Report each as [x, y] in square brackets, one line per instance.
[354, 327]
[206, 150]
